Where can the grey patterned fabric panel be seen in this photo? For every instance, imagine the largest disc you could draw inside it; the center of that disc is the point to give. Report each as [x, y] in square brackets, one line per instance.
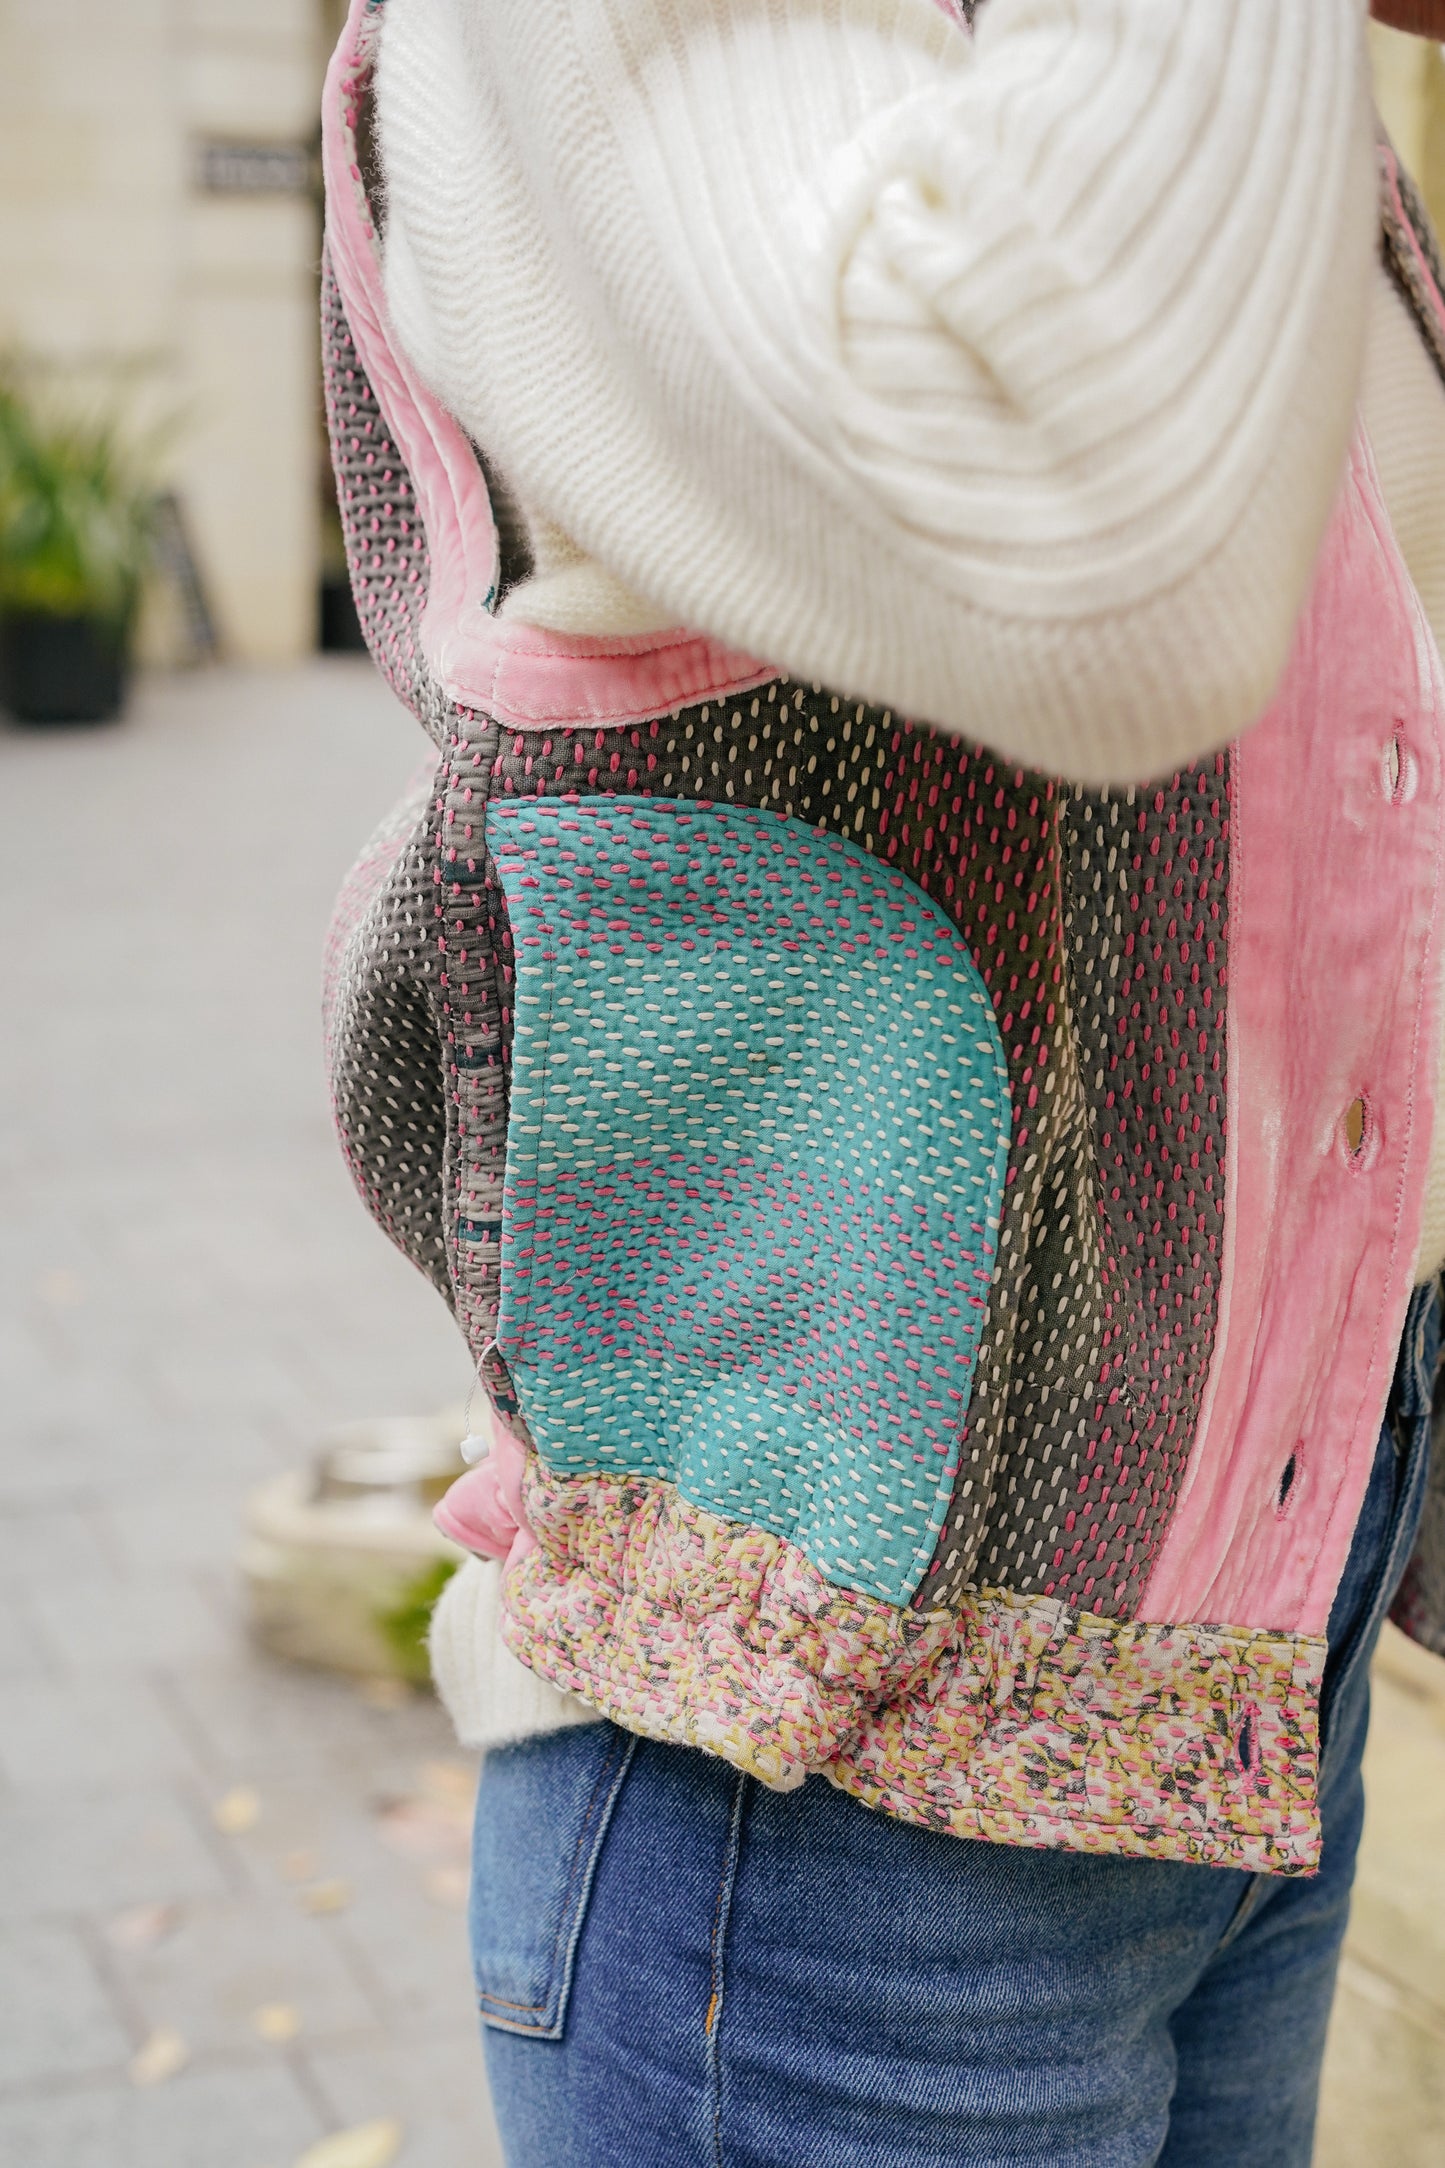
[1147, 875]
[475, 1024]
[982, 839]
[1109, 1373]
[383, 1040]
[386, 550]
[1053, 1376]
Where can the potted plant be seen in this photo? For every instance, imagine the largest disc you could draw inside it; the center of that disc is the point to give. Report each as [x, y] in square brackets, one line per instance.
[75, 538]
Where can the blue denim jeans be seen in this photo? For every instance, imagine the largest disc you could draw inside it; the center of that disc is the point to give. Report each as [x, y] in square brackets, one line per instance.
[680, 1969]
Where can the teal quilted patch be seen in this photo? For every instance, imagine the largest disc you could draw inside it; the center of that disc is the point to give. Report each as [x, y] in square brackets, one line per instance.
[755, 1161]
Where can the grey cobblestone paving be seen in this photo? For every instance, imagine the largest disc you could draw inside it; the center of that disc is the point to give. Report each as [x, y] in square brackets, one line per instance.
[189, 1291]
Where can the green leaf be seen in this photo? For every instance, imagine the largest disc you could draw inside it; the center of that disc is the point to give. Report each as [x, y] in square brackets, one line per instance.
[404, 1625]
[76, 513]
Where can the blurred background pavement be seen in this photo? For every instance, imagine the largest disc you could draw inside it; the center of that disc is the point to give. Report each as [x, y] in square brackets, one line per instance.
[231, 1898]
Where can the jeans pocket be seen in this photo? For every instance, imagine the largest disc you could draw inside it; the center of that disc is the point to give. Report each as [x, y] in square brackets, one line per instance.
[542, 1812]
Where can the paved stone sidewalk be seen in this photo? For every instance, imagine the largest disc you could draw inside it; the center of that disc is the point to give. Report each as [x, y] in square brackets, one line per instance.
[189, 1291]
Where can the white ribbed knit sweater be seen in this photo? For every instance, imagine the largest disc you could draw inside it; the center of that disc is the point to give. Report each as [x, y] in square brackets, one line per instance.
[1004, 381]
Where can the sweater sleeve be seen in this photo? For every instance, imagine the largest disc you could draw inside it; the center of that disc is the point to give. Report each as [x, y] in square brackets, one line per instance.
[1004, 381]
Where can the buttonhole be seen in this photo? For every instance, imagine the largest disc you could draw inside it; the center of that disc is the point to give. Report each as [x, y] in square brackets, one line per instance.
[1247, 1744]
[1287, 1477]
[1400, 770]
[1357, 1122]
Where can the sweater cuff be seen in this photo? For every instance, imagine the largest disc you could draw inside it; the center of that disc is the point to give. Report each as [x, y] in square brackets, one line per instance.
[491, 1699]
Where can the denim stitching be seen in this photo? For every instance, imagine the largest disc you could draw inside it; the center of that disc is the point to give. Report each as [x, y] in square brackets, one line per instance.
[611, 1773]
[712, 2024]
[1244, 1911]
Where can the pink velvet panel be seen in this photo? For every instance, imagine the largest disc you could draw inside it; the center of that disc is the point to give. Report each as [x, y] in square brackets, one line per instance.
[1334, 971]
[517, 673]
[484, 1510]
[450, 489]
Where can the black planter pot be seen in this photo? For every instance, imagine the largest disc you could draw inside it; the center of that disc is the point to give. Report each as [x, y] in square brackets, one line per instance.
[62, 669]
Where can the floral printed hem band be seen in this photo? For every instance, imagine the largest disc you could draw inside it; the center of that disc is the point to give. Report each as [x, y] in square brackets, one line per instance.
[1046, 1727]
[1015, 1719]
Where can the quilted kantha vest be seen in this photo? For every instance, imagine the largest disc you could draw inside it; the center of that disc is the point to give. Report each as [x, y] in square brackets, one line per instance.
[941, 1235]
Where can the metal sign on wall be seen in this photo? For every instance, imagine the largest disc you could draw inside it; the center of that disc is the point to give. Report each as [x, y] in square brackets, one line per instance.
[225, 167]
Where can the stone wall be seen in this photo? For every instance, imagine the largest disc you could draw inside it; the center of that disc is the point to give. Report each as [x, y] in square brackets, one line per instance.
[112, 260]
[1410, 88]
